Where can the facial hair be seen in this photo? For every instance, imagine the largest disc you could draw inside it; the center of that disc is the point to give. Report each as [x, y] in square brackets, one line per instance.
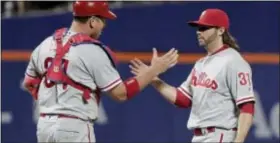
[211, 38]
[203, 42]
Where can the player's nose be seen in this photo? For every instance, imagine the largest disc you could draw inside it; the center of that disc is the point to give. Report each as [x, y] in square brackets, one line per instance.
[198, 33]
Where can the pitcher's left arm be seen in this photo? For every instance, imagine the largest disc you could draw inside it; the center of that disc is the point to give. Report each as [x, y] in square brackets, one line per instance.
[239, 78]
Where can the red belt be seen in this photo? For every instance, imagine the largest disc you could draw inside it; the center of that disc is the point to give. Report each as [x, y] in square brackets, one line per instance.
[66, 116]
[200, 131]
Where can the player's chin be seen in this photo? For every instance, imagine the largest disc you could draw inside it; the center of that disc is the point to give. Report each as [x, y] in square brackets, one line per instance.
[201, 43]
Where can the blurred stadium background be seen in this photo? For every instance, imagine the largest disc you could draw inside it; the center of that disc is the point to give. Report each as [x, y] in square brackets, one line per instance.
[140, 26]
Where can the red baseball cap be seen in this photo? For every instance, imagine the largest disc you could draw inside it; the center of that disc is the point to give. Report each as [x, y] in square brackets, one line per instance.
[212, 17]
[91, 8]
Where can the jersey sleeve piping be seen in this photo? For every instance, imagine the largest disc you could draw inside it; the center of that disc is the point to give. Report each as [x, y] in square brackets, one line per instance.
[32, 76]
[111, 85]
[245, 99]
[185, 92]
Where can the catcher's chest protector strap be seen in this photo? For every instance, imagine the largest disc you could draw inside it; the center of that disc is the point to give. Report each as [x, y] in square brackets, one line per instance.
[56, 72]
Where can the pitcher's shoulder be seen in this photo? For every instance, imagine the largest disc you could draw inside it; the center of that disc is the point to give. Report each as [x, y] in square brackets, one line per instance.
[236, 58]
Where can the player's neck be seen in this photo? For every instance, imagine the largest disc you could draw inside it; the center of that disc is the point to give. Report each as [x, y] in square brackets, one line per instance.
[78, 28]
[214, 46]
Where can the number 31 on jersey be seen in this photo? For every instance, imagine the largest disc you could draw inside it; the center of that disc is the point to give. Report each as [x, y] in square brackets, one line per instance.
[244, 78]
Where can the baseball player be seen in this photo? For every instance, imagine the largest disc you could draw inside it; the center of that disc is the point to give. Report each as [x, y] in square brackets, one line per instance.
[219, 88]
[69, 69]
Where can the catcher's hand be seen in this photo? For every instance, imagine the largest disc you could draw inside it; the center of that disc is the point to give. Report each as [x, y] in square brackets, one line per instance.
[32, 86]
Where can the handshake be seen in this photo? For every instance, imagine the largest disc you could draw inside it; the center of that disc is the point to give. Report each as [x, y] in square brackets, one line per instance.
[158, 64]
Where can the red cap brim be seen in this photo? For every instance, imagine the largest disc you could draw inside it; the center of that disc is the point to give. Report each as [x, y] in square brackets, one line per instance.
[109, 15]
[197, 23]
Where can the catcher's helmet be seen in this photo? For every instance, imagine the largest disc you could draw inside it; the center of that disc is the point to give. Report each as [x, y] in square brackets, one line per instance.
[93, 8]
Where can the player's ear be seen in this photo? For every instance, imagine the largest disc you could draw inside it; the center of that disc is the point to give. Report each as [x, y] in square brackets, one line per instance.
[91, 22]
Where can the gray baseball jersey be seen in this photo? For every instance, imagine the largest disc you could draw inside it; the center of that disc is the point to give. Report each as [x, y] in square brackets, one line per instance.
[217, 84]
[88, 64]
